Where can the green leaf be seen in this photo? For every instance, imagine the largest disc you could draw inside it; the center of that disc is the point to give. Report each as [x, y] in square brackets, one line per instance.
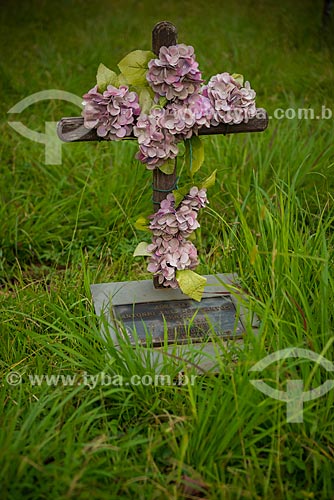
[141, 250]
[168, 167]
[134, 66]
[105, 77]
[142, 224]
[194, 155]
[162, 101]
[179, 194]
[181, 148]
[192, 284]
[145, 100]
[239, 78]
[209, 181]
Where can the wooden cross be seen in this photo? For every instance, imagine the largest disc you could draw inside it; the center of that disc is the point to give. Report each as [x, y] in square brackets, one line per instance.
[73, 130]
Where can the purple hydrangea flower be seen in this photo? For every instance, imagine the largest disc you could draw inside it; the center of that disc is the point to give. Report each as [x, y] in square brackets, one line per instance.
[169, 221]
[175, 73]
[231, 102]
[196, 198]
[156, 144]
[171, 251]
[170, 256]
[183, 118]
[111, 113]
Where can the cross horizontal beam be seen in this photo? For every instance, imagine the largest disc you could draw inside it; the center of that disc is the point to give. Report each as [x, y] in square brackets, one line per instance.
[73, 130]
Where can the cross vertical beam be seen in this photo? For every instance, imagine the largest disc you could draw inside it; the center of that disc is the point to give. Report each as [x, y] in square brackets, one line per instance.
[164, 34]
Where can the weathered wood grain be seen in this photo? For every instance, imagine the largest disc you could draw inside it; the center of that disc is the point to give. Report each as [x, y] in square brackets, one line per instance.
[164, 34]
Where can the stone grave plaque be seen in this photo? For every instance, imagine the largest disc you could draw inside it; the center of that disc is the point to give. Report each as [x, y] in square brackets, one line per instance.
[167, 315]
[179, 321]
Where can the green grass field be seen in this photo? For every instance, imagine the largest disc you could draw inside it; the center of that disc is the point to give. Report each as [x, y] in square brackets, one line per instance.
[63, 227]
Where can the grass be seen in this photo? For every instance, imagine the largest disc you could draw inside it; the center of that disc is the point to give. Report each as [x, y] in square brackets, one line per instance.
[63, 227]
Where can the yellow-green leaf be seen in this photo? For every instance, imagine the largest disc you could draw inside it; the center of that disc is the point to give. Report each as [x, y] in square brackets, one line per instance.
[145, 100]
[239, 78]
[134, 66]
[194, 154]
[105, 77]
[141, 250]
[122, 80]
[162, 101]
[209, 181]
[192, 284]
[168, 167]
[142, 224]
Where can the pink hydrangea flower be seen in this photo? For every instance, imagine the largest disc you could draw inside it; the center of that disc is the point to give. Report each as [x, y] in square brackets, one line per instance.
[166, 259]
[175, 73]
[156, 144]
[111, 113]
[231, 102]
[171, 226]
[184, 118]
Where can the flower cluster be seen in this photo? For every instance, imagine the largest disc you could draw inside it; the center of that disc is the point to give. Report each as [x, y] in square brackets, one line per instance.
[112, 113]
[230, 101]
[183, 118]
[169, 256]
[170, 250]
[156, 143]
[175, 73]
[159, 132]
